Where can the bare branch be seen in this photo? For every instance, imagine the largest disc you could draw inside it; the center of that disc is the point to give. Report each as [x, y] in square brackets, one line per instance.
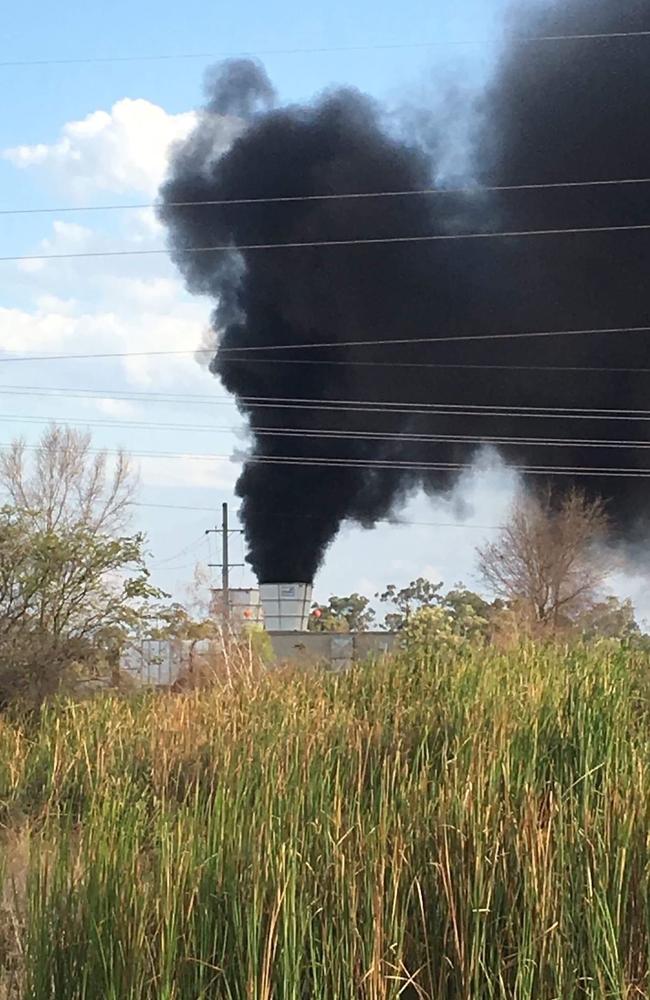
[550, 559]
[65, 484]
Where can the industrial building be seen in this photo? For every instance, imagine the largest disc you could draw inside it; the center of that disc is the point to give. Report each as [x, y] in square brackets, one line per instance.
[283, 610]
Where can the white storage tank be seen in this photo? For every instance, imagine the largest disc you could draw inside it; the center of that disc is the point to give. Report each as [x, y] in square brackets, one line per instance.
[286, 606]
[244, 607]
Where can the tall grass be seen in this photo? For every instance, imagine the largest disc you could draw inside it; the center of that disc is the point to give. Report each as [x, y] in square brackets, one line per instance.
[475, 826]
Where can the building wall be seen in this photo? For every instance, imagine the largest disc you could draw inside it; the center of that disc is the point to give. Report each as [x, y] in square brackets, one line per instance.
[337, 649]
[161, 662]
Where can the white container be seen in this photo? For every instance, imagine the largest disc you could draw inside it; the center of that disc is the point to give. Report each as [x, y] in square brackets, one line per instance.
[286, 606]
[244, 606]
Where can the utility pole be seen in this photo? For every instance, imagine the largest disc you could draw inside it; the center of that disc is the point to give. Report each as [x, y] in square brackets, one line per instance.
[225, 565]
[225, 569]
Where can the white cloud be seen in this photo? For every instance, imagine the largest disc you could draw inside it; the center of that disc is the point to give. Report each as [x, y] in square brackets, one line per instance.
[161, 328]
[30, 331]
[122, 150]
[154, 292]
[70, 235]
[119, 409]
[66, 237]
[108, 306]
[188, 472]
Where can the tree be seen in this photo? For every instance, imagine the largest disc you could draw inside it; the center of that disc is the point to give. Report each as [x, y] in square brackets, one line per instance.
[423, 610]
[420, 593]
[609, 619]
[68, 483]
[550, 561]
[429, 628]
[73, 584]
[68, 596]
[461, 602]
[342, 614]
[469, 612]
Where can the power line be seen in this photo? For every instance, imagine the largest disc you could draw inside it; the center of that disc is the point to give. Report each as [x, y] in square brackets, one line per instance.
[457, 412]
[435, 364]
[116, 395]
[390, 465]
[401, 405]
[386, 465]
[191, 547]
[394, 522]
[387, 342]
[474, 189]
[454, 411]
[124, 395]
[329, 49]
[367, 406]
[306, 244]
[443, 365]
[333, 433]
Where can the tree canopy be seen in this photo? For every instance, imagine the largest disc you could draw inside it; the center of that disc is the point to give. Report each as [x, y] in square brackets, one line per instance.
[73, 584]
[342, 614]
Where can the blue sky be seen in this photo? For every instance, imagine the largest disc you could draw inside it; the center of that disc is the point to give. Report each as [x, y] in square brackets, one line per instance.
[98, 133]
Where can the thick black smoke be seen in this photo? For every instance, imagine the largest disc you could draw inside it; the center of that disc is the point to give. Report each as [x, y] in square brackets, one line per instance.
[555, 111]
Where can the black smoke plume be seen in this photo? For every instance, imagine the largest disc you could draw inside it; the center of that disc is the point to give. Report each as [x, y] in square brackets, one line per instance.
[555, 111]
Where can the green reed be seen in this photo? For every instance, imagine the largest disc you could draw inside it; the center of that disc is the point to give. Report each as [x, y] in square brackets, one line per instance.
[470, 826]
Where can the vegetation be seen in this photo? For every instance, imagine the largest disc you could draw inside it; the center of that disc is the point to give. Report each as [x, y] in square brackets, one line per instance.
[342, 614]
[457, 822]
[73, 584]
[67, 483]
[68, 598]
[550, 561]
[547, 571]
[462, 824]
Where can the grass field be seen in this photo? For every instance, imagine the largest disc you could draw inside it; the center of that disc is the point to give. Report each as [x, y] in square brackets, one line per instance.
[475, 826]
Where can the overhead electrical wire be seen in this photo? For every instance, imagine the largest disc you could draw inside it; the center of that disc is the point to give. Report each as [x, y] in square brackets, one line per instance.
[306, 244]
[412, 409]
[387, 342]
[368, 406]
[328, 49]
[322, 362]
[459, 411]
[387, 465]
[390, 465]
[325, 432]
[473, 189]
[394, 522]
[442, 364]
[401, 405]
[191, 547]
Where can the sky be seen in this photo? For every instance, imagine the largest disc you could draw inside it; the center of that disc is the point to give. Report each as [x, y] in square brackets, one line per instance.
[77, 133]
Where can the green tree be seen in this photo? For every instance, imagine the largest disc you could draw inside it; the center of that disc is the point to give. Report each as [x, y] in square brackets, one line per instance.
[73, 581]
[432, 612]
[420, 593]
[470, 613]
[342, 614]
[610, 618]
[68, 597]
[429, 628]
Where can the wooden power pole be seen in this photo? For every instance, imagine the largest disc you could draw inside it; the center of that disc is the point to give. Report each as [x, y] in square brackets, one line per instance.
[225, 565]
